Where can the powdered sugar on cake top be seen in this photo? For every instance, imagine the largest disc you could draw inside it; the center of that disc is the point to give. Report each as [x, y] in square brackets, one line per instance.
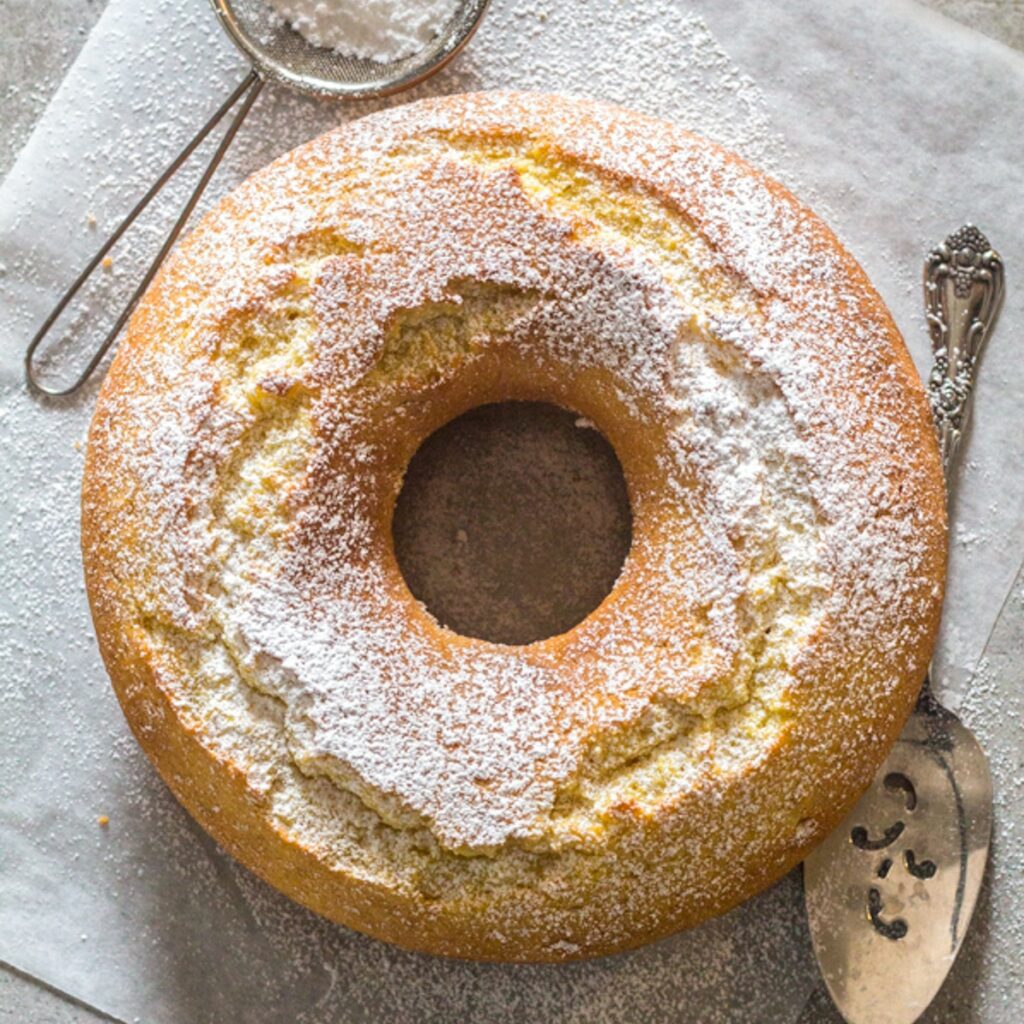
[733, 332]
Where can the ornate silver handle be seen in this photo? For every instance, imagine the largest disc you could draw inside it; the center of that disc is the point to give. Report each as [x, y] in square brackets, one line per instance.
[963, 289]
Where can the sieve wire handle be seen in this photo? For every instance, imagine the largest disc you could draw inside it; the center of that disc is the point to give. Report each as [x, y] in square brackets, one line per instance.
[249, 88]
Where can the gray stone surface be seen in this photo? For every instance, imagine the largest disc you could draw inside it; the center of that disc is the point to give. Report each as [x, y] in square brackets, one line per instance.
[1000, 19]
[38, 42]
[24, 1000]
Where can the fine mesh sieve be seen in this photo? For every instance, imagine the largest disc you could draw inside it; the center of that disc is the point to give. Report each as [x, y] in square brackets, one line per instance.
[281, 55]
[278, 54]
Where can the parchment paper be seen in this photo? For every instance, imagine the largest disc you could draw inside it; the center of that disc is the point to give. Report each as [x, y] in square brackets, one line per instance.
[892, 122]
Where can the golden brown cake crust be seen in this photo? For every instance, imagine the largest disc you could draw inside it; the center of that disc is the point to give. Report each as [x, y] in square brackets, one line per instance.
[709, 723]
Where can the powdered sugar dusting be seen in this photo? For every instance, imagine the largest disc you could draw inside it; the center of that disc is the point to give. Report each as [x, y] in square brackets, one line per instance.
[736, 969]
[571, 240]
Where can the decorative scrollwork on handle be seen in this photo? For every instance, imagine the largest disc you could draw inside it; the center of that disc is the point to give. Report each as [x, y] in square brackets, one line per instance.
[963, 288]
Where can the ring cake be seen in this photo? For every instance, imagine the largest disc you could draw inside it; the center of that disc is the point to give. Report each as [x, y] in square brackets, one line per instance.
[709, 722]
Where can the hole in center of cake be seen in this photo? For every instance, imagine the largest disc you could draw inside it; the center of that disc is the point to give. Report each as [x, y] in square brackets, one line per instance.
[513, 522]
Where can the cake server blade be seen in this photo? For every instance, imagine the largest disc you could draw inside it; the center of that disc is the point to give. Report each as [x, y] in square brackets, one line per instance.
[890, 893]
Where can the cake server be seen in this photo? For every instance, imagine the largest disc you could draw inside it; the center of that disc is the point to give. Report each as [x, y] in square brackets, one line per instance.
[277, 54]
[891, 891]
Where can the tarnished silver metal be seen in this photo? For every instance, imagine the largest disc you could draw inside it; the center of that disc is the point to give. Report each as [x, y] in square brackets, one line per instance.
[891, 891]
[963, 289]
[280, 55]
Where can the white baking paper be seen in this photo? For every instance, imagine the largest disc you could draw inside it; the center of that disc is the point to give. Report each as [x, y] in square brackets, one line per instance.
[894, 123]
